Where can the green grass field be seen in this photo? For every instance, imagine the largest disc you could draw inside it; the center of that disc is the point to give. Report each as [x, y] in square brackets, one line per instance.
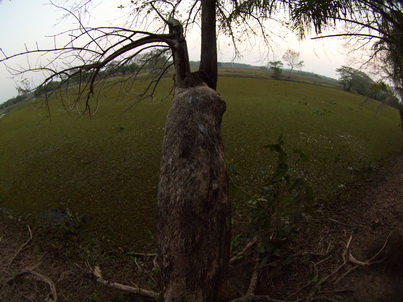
[106, 167]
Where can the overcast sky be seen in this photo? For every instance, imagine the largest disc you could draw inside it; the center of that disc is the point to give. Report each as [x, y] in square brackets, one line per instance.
[32, 22]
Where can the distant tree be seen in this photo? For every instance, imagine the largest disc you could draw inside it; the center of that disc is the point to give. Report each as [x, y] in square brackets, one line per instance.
[357, 81]
[154, 59]
[46, 88]
[354, 80]
[377, 24]
[385, 94]
[276, 67]
[346, 75]
[24, 87]
[116, 68]
[293, 61]
[13, 101]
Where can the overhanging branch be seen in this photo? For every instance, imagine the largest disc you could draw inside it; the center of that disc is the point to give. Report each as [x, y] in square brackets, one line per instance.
[346, 35]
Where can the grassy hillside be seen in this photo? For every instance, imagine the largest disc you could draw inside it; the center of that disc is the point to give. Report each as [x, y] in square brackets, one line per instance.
[106, 167]
[296, 76]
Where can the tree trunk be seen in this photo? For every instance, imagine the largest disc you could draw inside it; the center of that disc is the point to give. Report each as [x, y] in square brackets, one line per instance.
[208, 59]
[193, 207]
[401, 122]
[179, 51]
[289, 73]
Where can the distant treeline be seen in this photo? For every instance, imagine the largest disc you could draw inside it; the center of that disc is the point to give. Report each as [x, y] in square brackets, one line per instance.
[351, 80]
[153, 61]
[14, 100]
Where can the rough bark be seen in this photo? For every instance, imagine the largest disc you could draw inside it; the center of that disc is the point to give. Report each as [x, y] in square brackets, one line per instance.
[193, 208]
[179, 50]
[401, 122]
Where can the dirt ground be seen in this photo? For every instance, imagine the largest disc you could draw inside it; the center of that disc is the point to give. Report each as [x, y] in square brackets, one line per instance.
[352, 251]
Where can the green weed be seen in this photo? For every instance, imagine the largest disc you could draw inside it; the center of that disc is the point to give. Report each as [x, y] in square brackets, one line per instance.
[272, 215]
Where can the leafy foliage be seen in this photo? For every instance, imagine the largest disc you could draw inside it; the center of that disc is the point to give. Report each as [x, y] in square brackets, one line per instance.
[66, 221]
[284, 201]
[292, 59]
[13, 101]
[318, 14]
[355, 80]
[276, 66]
[277, 211]
[47, 88]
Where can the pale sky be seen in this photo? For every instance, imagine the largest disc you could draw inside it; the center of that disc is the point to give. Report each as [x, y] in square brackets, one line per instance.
[33, 22]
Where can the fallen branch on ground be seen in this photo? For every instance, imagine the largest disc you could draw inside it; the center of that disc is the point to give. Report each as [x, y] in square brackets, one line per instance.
[254, 278]
[144, 255]
[342, 223]
[136, 290]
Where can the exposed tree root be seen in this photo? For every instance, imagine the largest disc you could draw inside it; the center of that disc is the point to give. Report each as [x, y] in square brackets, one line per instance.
[39, 277]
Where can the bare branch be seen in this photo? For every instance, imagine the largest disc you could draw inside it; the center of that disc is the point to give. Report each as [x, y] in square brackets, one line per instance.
[346, 35]
[136, 290]
[79, 21]
[247, 247]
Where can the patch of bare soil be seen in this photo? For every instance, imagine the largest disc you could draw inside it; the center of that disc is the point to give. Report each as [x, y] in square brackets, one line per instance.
[352, 251]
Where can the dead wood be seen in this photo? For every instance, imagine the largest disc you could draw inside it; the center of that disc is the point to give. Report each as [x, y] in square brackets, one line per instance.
[136, 290]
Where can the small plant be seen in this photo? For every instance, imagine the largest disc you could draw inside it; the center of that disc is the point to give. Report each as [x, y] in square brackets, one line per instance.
[74, 221]
[284, 200]
[278, 210]
[66, 220]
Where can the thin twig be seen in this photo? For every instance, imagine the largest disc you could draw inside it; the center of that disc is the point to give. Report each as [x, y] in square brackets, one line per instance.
[345, 274]
[248, 246]
[355, 261]
[381, 249]
[323, 260]
[21, 247]
[324, 279]
[145, 255]
[342, 223]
